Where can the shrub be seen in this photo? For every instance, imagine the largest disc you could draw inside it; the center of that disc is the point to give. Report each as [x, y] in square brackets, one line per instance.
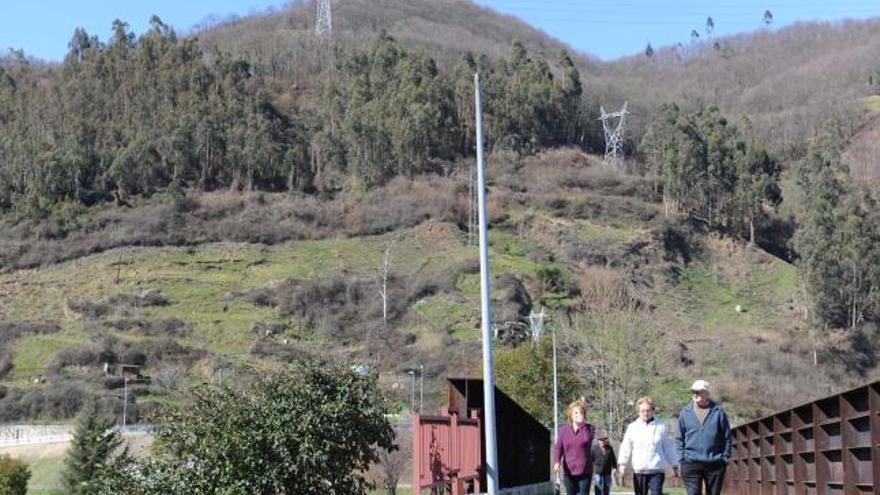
[290, 433]
[10, 330]
[550, 277]
[289, 353]
[332, 306]
[5, 362]
[52, 401]
[405, 203]
[144, 353]
[163, 327]
[14, 476]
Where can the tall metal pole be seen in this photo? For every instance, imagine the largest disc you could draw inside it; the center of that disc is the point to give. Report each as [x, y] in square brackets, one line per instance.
[488, 374]
[124, 402]
[412, 391]
[555, 393]
[421, 386]
[555, 398]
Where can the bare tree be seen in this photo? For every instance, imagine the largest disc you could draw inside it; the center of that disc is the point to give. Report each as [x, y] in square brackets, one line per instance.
[615, 346]
[383, 272]
[392, 463]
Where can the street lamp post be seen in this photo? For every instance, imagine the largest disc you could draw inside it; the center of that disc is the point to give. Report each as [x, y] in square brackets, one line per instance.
[412, 390]
[124, 401]
[421, 386]
[555, 399]
[555, 393]
[485, 300]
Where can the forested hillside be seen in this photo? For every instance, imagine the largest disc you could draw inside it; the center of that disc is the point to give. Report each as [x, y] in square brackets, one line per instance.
[213, 205]
[137, 115]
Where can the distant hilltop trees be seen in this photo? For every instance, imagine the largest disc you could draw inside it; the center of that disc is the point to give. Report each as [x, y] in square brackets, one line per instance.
[139, 115]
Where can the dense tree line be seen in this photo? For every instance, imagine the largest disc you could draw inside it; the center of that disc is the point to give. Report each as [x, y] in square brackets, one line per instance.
[134, 116]
[705, 169]
[390, 111]
[838, 239]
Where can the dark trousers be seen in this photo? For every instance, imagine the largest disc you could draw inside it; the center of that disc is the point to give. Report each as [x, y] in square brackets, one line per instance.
[694, 474]
[648, 483]
[577, 485]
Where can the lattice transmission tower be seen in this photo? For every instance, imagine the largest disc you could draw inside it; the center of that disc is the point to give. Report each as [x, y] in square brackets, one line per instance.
[613, 134]
[536, 324]
[323, 22]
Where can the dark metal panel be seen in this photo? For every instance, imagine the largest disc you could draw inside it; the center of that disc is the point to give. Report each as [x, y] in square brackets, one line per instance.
[523, 442]
[828, 446]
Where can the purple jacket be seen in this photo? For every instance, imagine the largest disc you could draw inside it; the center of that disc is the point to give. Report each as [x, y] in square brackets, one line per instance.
[575, 449]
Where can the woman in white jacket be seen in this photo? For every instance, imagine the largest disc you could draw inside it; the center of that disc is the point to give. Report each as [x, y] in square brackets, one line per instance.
[648, 443]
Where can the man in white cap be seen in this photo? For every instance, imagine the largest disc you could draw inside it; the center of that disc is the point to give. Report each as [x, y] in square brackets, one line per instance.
[704, 442]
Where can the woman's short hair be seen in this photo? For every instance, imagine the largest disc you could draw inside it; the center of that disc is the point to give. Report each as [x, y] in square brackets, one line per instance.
[575, 405]
[645, 400]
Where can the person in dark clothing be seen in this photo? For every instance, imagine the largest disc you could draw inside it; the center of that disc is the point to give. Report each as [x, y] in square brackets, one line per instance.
[604, 465]
[704, 442]
[572, 454]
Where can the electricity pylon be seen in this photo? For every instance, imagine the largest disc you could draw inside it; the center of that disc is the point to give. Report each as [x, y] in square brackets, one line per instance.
[323, 22]
[613, 134]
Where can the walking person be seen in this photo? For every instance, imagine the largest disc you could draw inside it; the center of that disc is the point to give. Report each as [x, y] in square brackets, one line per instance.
[647, 442]
[704, 442]
[604, 465]
[572, 453]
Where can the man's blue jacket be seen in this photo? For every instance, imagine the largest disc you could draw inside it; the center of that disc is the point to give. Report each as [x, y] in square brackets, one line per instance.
[709, 441]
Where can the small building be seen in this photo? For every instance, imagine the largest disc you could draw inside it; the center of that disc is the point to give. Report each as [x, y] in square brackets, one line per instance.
[131, 373]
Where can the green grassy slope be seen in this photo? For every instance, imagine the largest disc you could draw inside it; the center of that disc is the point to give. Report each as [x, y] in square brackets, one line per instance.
[596, 221]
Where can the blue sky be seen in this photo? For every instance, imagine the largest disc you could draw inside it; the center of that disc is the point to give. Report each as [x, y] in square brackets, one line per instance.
[615, 28]
[607, 29]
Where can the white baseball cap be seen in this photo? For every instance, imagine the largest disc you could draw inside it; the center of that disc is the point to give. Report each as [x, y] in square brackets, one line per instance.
[700, 386]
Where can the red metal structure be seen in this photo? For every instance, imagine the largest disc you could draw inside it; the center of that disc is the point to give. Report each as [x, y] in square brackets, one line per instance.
[446, 453]
[448, 449]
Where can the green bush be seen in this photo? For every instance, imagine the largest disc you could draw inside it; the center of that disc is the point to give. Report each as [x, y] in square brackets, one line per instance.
[312, 429]
[14, 476]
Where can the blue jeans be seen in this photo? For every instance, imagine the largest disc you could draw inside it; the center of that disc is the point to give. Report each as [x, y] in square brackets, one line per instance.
[645, 484]
[577, 485]
[602, 483]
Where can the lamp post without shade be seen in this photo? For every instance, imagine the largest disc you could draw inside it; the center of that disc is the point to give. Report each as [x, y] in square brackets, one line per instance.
[124, 401]
[412, 390]
[490, 442]
[555, 399]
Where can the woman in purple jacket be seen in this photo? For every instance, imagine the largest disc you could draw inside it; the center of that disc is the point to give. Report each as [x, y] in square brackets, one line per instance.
[572, 452]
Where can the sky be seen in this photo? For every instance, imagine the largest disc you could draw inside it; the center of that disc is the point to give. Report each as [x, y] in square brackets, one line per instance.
[616, 28]
[610, 29]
